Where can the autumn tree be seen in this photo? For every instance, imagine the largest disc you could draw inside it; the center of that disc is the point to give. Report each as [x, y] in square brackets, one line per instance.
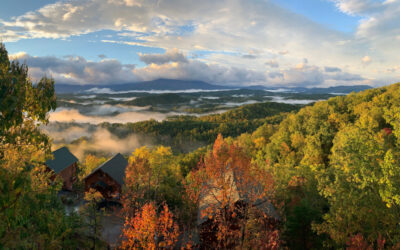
[232, 196]
[149, 230]
[91, 162]
[149, 177]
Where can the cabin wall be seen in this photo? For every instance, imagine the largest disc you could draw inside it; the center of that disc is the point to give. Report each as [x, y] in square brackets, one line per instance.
[69, 176]
[113, 189]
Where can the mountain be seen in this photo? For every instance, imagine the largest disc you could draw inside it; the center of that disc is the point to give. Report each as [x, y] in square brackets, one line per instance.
[181, 85]
[336, 89]
[159, 84]
[329, 90]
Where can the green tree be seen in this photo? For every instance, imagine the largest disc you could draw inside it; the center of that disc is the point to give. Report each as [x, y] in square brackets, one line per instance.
[31, 214]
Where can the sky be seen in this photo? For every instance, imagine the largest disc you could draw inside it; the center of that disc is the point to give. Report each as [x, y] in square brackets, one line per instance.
[287, 43]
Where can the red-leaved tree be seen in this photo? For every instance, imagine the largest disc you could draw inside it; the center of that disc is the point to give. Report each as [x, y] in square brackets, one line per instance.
[148, 230]
[232, 195]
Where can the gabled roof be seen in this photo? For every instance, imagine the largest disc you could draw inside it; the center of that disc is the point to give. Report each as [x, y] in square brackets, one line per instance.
[115, 168]
[63, 158]
[211, 196]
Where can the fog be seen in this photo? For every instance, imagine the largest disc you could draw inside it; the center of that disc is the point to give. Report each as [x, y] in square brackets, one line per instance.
[103, 141]
[110, 91]
[103, 115]
[93, 139]
[281, 99]
[237, 104]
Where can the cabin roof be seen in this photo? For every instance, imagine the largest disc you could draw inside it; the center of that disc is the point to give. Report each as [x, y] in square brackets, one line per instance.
[114, 167]
[63, 158]
[210, 198]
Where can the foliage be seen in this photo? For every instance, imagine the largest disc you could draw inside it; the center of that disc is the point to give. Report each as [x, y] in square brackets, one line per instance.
[149, 176]
[93, 218]
[147, 230]
[226, 187]
[31, 214]
[335, 165]
[23, 105]
[91, 162]
[186, 133]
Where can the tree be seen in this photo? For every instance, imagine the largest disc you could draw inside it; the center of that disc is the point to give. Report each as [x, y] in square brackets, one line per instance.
[232, 197]
[31, 214]
[23, 105]
[93, 218]
[362, 188]
[91, 162]
[147, 177]
[147, 230]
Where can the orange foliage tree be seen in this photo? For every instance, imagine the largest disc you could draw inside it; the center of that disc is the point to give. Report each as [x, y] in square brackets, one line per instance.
[147, 230]
[232, 196]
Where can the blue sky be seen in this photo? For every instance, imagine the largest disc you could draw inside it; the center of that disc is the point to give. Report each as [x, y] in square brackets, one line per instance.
[270, 42]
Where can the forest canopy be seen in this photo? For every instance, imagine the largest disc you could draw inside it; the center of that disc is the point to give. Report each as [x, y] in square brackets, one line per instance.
[325, 175]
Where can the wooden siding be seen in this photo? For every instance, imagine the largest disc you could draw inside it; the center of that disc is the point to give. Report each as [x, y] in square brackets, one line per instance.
[112, 190]
[68, 176]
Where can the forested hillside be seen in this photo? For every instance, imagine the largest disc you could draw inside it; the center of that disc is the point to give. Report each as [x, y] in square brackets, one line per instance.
[331, 170]
[179, 129]
[272, 176]
[336, 170]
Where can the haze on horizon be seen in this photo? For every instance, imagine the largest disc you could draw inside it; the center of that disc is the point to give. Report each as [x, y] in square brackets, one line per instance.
[232, 42]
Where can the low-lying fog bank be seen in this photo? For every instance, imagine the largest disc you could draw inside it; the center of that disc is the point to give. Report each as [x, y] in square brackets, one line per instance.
[74, 115]
[82, 139]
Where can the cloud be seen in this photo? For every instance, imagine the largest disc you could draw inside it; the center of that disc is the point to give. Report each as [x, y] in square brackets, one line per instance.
[272, 64]
[172, 55]
[366, 60]
[283, 52]
[344, 76]
[332, 69]
[172, 65]
[76, 69]
[249, 56]
[357, 7]
[175, 65]
[198, 70]
[231, 32]
[393, 69]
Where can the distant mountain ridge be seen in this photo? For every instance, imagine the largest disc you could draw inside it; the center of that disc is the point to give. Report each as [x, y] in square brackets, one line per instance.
[182, 85]
[159, 84]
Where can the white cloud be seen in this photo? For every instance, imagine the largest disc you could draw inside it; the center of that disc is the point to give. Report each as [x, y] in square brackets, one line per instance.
[272, 64]
[172, 55]
[76, 69]
[357, 7]
[366, 60]
[247, 29]
[175, 65]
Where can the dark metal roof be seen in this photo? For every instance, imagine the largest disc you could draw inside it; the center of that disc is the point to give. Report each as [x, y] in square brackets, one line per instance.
[115, 168]
[63, 158]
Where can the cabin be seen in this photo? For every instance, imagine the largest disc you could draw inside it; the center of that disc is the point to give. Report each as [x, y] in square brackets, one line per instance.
[209, 201]
[108, 178]
[64, 164]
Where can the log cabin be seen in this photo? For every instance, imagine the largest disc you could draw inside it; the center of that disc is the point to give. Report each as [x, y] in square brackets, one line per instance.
[108, 178]
[64, 164]
[240, 200]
